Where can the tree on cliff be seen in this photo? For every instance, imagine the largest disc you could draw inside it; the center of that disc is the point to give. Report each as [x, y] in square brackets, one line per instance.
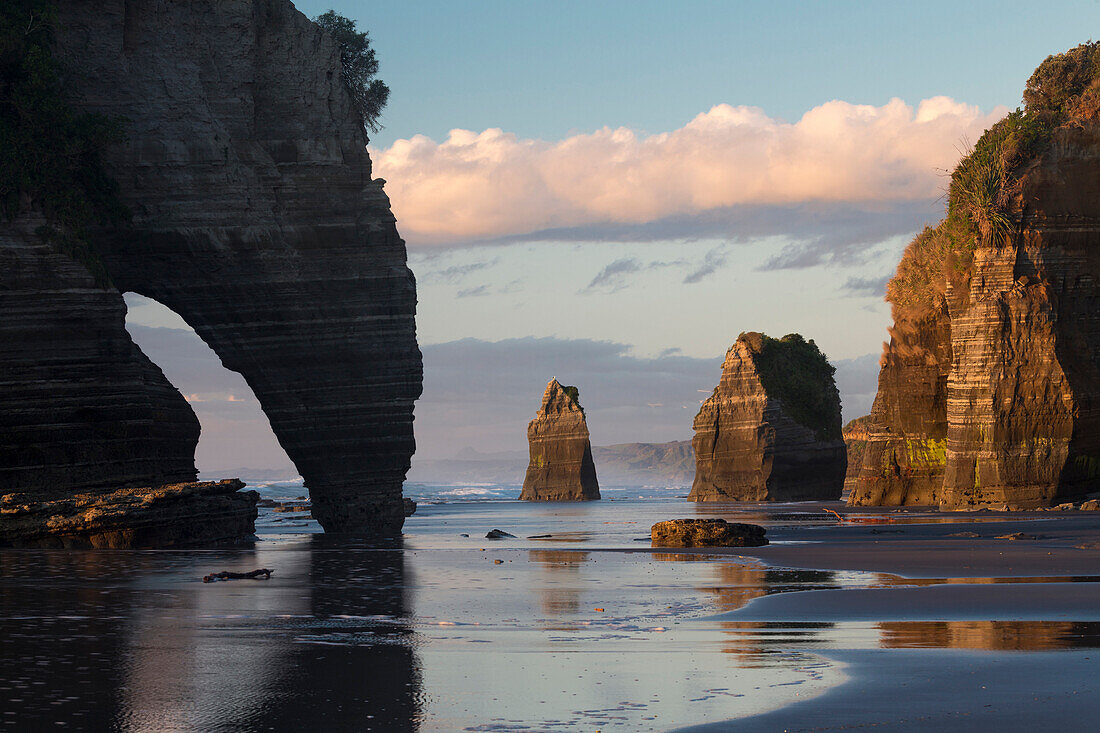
[359, 66]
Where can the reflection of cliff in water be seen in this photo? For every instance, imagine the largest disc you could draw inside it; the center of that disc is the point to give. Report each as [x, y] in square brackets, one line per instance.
[561, 594]
[990, 635]
[132, 640]
[736, 584]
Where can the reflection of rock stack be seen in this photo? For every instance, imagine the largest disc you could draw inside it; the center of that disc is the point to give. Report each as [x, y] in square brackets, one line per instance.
[771, 430]
[988, 635]
[560, 595]
[561, 467]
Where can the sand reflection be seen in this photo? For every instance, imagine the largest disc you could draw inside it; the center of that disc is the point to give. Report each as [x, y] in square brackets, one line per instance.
[560, 593]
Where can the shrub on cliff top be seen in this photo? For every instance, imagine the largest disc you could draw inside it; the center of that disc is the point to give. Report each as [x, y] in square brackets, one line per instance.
[1061, 81]
[1064, 88]
[798, 374]
[358, 67]
[50, 155]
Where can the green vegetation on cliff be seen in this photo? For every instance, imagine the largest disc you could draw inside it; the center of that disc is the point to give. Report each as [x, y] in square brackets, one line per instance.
[1063, 89]
[795, 371]
[359, 64]
[50, 154]
[574, 394]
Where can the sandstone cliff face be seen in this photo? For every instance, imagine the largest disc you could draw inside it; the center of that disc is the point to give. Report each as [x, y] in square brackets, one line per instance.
[905, 454]
[561, 467]
[749, 448]
[1014, 418]
[80, 406]
[256, 219]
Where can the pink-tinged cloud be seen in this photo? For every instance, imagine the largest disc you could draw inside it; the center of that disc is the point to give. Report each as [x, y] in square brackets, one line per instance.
[489, 185]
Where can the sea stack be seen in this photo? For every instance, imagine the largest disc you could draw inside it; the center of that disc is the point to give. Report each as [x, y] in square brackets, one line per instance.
[561, 467]
[771, 429]
[989, 394]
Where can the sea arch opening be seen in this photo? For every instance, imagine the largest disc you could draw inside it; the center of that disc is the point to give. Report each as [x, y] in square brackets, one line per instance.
[236, 438]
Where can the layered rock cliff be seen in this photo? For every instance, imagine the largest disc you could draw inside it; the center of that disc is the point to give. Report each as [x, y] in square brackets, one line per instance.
[561, 467]
[256, 219]
[771, 429]
[990, 390]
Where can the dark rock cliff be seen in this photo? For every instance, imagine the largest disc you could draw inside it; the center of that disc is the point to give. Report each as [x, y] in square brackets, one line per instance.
[80, 406]
[748, 444]
[257, 220]
[561, 467]
[991, 396]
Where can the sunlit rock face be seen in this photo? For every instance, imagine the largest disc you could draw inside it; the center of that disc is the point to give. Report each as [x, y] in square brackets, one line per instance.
[561, 467]
[257, 220]
[905, 452]
[762, 437]
[999, 403]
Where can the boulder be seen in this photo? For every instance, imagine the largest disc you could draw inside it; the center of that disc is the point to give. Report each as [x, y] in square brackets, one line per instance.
[706, 533]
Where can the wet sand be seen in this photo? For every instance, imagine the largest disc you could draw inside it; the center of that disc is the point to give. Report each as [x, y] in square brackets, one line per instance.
[887, 619]
[946, 691]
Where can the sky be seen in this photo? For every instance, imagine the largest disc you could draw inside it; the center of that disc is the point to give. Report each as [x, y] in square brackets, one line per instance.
[610, 192]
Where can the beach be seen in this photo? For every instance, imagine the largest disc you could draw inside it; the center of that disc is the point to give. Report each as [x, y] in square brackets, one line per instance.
[588, 628]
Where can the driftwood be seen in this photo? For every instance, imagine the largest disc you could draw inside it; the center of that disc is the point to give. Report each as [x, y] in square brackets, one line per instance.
[227, 575]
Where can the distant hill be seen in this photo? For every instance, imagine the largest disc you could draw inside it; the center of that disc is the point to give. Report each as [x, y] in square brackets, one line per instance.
[627, 464]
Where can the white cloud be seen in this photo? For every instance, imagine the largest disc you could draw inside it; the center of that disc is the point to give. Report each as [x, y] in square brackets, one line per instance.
[492, 184]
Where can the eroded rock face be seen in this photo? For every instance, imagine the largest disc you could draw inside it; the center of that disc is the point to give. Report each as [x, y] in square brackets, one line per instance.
[905, 454]
[175, 515]
[748, 444]
[1014, 418]
[81, 407]
[257, 220]
[706, 533]
[561, 467]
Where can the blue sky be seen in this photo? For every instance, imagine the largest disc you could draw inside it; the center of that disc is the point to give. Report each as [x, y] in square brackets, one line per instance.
[591, 184]
[543, 69]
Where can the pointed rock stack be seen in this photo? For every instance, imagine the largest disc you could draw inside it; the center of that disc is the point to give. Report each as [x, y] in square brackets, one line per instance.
[561, 467]
[771, 430]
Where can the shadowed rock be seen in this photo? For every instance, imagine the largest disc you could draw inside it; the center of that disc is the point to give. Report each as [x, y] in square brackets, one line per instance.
[771, 429]
[561, 467]
[175, 515]
[706, 533]
[256, 219]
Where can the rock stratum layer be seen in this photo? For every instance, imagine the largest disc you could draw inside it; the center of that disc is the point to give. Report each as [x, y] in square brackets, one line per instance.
[560, 467]
[771, 429]
[989, 393]
[175, 515]
[256, 219]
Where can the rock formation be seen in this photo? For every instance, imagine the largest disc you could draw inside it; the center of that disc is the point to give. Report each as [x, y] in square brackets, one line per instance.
[706, 533]
[256, 219]
[561, 467]
[855, 443]
[175, 515]
[989, 393]
[771, 429]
